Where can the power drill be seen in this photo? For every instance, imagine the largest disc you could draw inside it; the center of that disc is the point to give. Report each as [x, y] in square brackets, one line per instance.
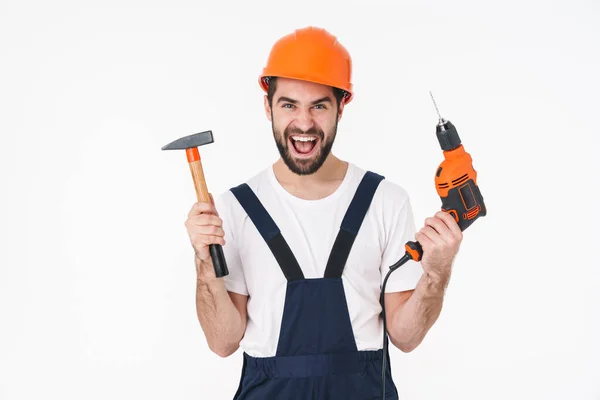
[456, 184]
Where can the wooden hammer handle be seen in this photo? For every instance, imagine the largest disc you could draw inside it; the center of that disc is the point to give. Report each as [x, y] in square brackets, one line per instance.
[199, 181]
[193, 157]
[216, 250]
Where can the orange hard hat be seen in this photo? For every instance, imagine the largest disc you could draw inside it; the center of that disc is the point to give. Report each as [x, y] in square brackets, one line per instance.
[310, 54]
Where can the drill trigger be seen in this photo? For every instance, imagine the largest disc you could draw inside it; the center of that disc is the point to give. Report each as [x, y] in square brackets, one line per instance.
[453, 213]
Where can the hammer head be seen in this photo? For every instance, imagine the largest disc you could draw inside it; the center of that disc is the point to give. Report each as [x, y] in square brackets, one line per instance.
[188, 142]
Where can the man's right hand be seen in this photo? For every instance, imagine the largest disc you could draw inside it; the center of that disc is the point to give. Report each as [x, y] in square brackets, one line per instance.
[204, 227]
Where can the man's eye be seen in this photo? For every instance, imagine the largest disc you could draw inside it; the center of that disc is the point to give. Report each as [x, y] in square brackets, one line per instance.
[288, 104]
[320, 106]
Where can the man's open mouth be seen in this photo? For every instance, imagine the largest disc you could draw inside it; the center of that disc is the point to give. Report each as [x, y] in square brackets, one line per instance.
[304, 144]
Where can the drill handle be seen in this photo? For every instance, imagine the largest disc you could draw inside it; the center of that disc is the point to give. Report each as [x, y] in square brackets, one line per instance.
[465, 203]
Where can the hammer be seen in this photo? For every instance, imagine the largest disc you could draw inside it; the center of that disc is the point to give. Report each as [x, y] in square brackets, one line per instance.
[190, 144]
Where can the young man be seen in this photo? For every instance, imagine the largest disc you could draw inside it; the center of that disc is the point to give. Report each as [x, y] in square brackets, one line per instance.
[308, 242]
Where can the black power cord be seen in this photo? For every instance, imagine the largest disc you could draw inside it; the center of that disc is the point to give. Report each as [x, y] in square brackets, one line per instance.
[393, 267]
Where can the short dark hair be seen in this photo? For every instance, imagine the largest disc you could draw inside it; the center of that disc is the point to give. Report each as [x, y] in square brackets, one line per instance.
[272, 85]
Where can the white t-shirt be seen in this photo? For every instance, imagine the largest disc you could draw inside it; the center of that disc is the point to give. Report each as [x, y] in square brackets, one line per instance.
[310, 228]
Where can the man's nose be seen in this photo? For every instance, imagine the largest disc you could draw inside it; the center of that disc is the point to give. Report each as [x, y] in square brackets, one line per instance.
[304, 119]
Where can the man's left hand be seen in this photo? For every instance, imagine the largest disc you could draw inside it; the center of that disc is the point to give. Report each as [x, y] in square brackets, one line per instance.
[440, 239]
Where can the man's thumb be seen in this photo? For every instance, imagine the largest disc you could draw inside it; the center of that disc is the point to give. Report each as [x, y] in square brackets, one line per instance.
[212, 200]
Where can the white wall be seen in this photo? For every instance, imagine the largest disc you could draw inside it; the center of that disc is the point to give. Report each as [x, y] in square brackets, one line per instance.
[96, 276]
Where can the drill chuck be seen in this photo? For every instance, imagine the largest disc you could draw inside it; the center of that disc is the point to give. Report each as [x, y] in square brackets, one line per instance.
[447, 135]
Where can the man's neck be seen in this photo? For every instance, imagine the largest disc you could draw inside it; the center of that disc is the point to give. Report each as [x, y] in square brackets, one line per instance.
[315, 186]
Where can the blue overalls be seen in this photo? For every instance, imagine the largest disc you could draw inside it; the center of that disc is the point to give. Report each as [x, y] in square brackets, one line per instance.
[317, 356]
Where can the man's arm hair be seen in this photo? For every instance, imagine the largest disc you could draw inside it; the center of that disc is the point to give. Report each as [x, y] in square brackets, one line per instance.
[222, 315]
[411, 314]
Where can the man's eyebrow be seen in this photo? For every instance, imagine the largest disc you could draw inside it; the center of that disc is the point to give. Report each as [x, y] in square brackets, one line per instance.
[287, 100]
[321, 100]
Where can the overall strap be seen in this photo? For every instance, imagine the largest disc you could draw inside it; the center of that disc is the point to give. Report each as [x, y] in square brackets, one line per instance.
[269, 231]
[351, 224]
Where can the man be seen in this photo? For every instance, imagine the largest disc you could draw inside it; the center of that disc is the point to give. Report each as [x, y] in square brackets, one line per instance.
[308, 242]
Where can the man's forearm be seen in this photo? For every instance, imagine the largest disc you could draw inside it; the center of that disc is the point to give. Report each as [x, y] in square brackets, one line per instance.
[408, 325]
[220, 320]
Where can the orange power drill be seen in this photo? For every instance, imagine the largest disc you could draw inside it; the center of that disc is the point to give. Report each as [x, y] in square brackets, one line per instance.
[456, 184]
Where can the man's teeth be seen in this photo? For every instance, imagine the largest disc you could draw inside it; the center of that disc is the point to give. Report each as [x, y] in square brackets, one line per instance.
[304, 138]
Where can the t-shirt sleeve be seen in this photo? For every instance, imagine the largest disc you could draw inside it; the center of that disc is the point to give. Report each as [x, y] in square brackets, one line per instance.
[399, 228]
[235, 281]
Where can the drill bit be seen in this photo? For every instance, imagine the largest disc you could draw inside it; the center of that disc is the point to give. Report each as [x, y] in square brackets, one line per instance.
[436, 108]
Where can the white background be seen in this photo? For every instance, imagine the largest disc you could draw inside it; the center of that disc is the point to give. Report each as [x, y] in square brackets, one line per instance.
[97, 294]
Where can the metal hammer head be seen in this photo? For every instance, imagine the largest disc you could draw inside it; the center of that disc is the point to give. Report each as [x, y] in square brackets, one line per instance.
[191, 141]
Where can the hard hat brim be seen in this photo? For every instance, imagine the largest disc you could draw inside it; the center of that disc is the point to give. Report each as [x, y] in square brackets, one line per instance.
[261, 81]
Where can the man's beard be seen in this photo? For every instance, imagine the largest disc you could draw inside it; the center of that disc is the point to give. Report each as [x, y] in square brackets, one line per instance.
[304, 166]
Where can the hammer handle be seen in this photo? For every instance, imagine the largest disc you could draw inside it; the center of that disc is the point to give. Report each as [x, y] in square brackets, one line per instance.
[216, 250]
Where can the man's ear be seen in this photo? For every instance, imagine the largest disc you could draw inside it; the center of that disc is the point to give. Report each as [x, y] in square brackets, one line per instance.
[267, 108]
[340, 110]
